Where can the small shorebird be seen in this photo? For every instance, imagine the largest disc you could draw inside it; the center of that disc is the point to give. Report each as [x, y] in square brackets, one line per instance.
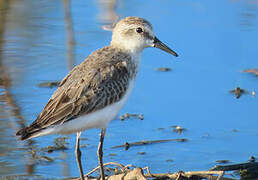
[92, 94]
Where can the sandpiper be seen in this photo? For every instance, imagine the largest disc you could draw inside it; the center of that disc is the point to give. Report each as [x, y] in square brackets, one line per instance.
[92, 94]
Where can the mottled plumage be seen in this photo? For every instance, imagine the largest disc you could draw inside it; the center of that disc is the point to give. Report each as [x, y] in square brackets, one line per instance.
[102, 79]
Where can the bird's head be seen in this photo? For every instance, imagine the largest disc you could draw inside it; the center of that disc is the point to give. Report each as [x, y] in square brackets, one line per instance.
[134, 34]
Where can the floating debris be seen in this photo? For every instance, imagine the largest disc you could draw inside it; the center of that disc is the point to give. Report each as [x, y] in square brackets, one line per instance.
[238, 92]
[253, 71]
[112, 154]
[169, 160]
[50, 84]
[48, 159]
[141, 153]
[178, 129]
[127, 146]
[252, 159]
[144, 142]
[253, 93]
[128, 115]
[59, 144]
[163, 69]
[38, 158]
[235, 130]
[223, 161]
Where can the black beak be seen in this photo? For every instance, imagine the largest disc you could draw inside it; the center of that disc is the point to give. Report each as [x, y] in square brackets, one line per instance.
[158, 44]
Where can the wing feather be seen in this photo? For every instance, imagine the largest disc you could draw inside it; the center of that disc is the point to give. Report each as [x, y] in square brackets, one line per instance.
[89, 87]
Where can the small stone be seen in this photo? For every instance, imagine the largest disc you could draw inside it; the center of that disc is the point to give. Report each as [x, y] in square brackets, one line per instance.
[252, 159]
[178, 129]
[141, 117]
[141, 153]
[127, 146]
[253, 93]
[238, 92]
[163, 69]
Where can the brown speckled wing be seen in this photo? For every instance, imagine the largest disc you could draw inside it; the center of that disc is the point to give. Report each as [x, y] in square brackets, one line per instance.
[100, 80]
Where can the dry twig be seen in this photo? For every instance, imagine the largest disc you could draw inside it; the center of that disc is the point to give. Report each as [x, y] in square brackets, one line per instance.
[106, 164]
[216, 173]
[144, 142]
[235, 166]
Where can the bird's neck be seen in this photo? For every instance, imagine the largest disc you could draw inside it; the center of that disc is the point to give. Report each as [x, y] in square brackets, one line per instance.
[135, 64]
[135, 53]
[130, 46]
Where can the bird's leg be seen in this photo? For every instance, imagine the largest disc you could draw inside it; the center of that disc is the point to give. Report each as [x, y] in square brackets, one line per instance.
[100, 153]
[78, 154]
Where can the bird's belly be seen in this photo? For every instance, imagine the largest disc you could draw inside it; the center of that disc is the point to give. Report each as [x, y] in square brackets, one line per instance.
[97, 119]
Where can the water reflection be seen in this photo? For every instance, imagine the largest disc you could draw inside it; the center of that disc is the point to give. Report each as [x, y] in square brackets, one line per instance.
[11, 117]
[107, 14]
[70, 42]
[65, 164]
[249, 16]
[18, 156]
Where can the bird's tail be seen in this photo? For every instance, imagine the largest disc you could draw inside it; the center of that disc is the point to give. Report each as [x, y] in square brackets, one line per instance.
[27, 132]
[23, 133]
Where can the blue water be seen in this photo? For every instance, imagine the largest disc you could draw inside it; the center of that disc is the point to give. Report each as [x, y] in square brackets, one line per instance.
[215, 40]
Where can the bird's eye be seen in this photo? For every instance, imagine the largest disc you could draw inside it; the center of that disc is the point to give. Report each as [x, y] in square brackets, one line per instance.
[139, 30]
